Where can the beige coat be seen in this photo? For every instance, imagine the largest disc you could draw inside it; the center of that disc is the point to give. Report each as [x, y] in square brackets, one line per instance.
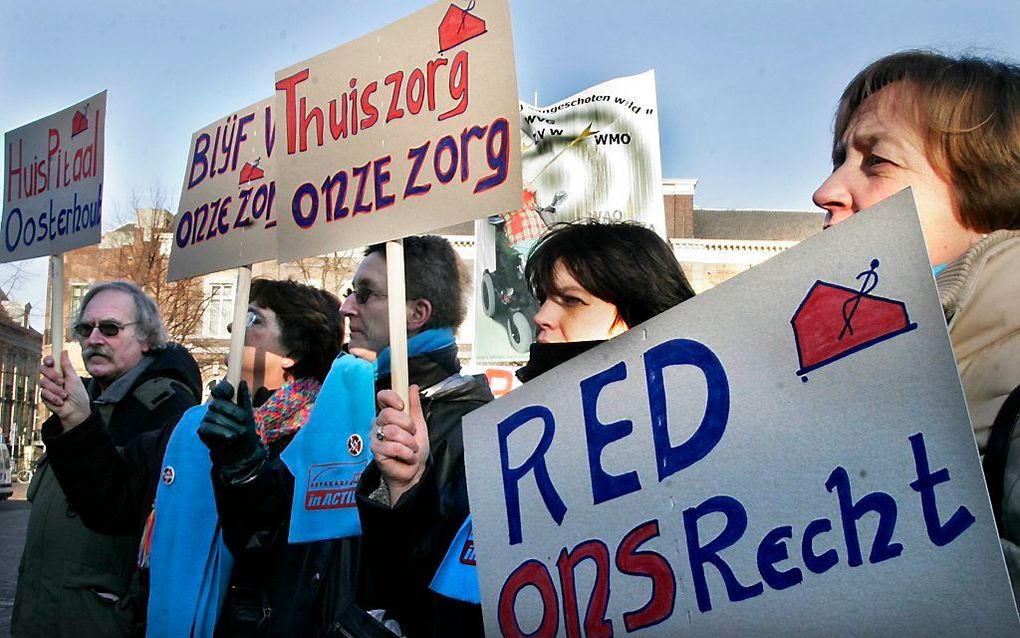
[980, 294]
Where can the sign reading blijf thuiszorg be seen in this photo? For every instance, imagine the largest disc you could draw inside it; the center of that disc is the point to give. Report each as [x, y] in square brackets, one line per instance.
[227, 212]
[405, 130]
[788, 453]
[53, 182]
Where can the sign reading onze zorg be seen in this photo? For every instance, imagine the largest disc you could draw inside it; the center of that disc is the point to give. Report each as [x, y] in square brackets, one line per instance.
[789, 451]
[227, 210]
[53, 182]
[408, 129]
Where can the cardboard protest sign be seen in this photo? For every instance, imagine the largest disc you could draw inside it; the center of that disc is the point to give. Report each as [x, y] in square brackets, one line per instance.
[789, 451]
[407, 129]
[53, 182]
[594, 154]
[228, 205]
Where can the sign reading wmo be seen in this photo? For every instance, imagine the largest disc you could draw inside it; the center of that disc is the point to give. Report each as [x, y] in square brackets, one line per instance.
[227, 211]
[405, 130]
[789, 451]
[53, 182]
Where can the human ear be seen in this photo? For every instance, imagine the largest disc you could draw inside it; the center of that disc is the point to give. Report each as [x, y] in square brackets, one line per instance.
[419, 311]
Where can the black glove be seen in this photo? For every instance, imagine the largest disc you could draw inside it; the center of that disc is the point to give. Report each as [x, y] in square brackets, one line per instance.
[228, 430]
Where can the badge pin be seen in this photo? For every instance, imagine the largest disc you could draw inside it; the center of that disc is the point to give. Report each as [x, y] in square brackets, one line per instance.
[355, 444]
[168, 475]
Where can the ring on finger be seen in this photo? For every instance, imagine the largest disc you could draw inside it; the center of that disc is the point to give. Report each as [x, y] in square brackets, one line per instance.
[379, 433]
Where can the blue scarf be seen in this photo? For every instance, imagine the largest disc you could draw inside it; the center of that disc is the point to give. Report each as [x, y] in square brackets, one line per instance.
[328, 455]
[330, 452]
[189, 565]
[457, 576]
[429, 340]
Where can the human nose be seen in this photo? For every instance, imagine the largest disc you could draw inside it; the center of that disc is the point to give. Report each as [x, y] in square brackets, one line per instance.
[834, 196]
[95, 336]
[546, 318]
[347, 308]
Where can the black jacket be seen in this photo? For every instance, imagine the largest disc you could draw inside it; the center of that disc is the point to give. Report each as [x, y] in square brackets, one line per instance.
[58, 591]
[112, 492]
[309, 589]
[403, 546]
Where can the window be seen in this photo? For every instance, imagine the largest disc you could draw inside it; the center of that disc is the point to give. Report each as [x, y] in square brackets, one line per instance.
[220, 310]
[77, 294]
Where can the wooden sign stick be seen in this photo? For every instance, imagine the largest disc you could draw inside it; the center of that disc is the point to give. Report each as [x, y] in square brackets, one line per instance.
[57, 309]
[398, 318]
[238, 327]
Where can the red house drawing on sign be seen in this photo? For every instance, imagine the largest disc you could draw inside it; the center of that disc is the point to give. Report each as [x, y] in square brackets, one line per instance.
[80, 122]
[834, 321]
[458, 26]
[251, 172]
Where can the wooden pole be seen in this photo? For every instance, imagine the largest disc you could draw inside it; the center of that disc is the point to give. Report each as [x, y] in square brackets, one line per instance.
[238, 327]
[57, 309]
[398, 318]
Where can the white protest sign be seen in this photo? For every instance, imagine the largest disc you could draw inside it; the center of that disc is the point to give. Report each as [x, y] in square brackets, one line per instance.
[407, 129]
[227, 210]
[53, 182]
[594, 154]
[788, 452]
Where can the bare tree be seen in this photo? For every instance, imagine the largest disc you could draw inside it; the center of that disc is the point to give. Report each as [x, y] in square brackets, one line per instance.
[140, 252]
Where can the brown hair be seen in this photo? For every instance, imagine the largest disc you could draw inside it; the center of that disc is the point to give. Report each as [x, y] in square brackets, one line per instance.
[968, 110]
[311, 327]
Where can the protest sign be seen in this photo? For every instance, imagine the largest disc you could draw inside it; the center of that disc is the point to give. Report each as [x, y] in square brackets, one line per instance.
[227, 210]
[407, 129]
[53, 182]
[594, 154]
[789, 451]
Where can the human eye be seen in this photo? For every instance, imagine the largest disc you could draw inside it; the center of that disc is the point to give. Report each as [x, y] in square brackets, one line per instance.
[872, 160]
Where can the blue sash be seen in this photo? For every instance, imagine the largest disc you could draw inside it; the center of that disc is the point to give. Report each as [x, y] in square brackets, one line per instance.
[457, 576]
[426, 341]
[189, 565]
[329, 453]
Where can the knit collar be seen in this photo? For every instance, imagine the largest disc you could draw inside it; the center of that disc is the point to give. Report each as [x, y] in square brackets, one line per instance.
[287, 409]
[956, 283]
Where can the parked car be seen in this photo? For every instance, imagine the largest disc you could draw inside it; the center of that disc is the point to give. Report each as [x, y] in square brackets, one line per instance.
[6, 488]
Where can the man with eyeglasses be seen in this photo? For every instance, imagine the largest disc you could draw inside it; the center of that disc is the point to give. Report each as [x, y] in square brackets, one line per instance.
[73, 580]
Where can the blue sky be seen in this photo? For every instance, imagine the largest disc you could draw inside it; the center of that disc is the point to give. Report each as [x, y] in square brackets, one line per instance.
[746, 89]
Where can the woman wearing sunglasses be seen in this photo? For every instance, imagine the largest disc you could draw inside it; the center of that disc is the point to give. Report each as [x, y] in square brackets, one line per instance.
[293, 334]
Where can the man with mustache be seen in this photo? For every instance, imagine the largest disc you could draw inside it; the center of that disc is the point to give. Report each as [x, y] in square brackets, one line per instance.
[74, 581]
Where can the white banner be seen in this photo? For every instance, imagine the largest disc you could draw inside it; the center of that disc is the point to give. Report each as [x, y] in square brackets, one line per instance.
[53, 182]
[789, 452]
[408, 129]
[594, 154]
[228, 206]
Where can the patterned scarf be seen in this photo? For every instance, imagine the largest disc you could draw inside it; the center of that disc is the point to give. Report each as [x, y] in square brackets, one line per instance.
[287, 409]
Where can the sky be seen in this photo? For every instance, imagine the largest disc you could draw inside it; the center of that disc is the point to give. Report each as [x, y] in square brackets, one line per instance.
[746, 89]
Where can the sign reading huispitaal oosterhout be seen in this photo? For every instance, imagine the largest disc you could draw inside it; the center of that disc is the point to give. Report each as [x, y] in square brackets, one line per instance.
[53, 182]
[407, 129]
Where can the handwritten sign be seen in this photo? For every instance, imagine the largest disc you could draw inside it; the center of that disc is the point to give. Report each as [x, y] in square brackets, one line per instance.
[594, 154]
[790, 450]
[53, 182]
[227, 210]
[407, 129]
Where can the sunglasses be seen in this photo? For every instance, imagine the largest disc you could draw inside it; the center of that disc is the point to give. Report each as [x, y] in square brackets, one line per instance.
[106, 328]
[363, 294]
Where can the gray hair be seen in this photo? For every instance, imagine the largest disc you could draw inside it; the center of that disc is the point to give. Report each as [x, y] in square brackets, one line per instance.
[149, 326]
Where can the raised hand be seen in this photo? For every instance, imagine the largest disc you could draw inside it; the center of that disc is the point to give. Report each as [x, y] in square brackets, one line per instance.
[63, 392]
[228, 430]
[400, 441]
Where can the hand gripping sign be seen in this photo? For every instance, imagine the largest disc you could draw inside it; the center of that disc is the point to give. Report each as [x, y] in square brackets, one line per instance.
[683, 478]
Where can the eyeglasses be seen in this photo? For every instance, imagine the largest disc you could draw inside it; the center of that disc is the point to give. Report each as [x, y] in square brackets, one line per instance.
[106, 328]
[363, 294]
[253, 319]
